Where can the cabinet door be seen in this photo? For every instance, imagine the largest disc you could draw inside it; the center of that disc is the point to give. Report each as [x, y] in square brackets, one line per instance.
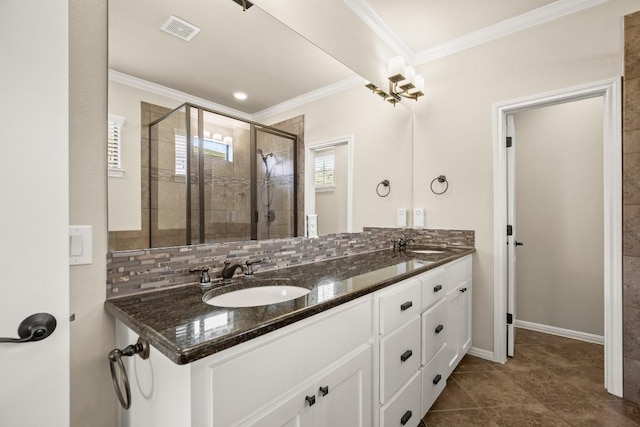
[293, 410]
[459, 319]
[344, 393]
[464, 324]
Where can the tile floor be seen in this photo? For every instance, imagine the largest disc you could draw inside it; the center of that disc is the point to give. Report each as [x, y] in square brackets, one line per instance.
[552, 381]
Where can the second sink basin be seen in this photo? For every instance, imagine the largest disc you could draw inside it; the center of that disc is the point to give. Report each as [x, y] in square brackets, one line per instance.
[256, 296]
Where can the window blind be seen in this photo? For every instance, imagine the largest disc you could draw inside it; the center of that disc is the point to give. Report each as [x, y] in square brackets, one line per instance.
[324, 169]
[114, 145]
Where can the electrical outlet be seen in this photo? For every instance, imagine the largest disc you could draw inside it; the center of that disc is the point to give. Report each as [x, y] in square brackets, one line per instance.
[419, 218]
[402, 217]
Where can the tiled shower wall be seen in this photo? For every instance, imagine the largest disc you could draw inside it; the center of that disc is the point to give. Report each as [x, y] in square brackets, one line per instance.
[168, 236]
[130, 272]
[631, 208]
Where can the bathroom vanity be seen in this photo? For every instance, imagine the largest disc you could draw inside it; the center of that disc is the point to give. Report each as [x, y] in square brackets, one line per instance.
[372, 344]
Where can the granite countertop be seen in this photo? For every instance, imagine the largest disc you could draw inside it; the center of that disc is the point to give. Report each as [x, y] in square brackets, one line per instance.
[184, 328]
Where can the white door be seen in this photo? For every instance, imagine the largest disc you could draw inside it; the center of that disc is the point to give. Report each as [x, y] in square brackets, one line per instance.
[511, 236]
[34, 209]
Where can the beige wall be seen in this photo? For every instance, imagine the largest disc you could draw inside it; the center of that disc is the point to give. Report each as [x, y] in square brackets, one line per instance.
[382, 148]
[560, 216]
[92, 332]
[453, 124]
[124, 193]
[331, 206]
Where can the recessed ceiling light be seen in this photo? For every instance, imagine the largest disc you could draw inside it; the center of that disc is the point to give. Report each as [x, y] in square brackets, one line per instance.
[241, 96]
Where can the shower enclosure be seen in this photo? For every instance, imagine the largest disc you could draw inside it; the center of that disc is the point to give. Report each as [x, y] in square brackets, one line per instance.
[216, 178]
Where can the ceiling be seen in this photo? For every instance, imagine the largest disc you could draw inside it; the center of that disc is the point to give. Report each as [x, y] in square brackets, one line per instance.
[253, 52]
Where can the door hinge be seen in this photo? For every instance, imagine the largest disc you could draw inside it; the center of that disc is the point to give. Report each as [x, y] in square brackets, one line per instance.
[509, 141]
[509, 319]
[509, 230]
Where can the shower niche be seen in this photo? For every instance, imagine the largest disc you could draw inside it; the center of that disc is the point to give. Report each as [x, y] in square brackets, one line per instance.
[216, 178]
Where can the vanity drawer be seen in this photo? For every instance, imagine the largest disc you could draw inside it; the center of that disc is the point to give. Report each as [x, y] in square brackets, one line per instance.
[399, 358]
[433, 287]
[458, 272]
[400, 305]
[434, 330]
[434, 379]
[404, 410]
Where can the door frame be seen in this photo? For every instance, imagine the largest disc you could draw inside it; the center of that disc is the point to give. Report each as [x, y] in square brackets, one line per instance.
[610, 91]
[310, 189]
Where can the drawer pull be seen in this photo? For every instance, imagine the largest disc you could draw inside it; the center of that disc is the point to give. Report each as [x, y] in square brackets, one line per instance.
[324, 390]
[437, 379]
[439, 329]
[407, 305]
[437, 288]
[405, 418]
[311, 400]
[406, 355]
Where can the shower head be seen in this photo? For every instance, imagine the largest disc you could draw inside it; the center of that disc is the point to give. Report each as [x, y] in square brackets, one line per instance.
[265, 156]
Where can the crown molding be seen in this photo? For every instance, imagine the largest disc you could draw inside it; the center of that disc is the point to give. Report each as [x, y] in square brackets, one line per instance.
[147, 86]
[369, 16]
[308, 97]
[529, 19]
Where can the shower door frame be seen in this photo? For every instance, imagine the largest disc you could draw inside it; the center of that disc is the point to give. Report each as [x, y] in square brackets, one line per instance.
[253, 128]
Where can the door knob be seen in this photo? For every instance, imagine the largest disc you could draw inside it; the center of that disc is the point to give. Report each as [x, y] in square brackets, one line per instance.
[34, 328]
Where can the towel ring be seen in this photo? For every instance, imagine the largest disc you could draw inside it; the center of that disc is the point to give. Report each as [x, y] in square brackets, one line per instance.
[441, 179]
[386, 184]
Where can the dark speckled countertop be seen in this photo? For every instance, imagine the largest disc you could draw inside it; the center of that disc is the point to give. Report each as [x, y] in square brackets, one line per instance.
[184, 328]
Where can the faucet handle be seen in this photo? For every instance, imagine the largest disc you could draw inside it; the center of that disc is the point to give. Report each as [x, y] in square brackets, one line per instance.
[204, 277]
[249, 264]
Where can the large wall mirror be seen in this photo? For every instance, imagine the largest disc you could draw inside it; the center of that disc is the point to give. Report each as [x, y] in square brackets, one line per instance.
[211, 50]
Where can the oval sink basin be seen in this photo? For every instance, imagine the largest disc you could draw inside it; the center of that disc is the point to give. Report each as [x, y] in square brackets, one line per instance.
[256, 296]
[426, 251]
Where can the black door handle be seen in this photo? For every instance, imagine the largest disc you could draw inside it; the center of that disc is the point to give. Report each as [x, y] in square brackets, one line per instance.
[34, 328]
[519, 243]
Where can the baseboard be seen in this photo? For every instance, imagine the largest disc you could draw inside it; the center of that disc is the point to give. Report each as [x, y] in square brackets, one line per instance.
[483, 354]
[567, 333]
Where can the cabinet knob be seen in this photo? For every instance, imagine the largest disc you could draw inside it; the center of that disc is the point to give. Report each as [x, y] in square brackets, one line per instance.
[407, 305]
[324, 390]
[311, 400]
[463, 290]
[439, 329]
[406, 355]
[405, 418]
[437, 379]
[437, 288]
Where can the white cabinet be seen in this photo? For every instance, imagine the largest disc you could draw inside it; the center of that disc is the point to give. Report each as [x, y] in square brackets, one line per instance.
[338, 397]
[458, 311]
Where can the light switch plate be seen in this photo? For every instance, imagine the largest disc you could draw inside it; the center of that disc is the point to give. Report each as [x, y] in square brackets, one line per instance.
[419, 218]
[80, 244]
[402, 217]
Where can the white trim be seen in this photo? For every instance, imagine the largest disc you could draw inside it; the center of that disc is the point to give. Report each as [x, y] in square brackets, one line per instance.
[610, 90]
[561, 332]
[308, 97]
[147, 86]
[529, 19]
[483, 354]
[369, 16]
[309, 190]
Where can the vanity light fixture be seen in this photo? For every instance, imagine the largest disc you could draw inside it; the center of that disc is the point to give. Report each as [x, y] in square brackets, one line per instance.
[403, 82]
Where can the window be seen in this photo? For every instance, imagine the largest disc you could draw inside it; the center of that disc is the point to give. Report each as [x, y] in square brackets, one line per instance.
[217, 147]
[114, 146]
[181, 154]
[324, 170]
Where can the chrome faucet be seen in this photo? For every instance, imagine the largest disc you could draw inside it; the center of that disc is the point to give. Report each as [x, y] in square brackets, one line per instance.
[229, 270]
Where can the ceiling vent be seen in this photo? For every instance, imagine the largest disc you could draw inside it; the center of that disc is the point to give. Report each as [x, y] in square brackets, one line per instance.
[179, 28]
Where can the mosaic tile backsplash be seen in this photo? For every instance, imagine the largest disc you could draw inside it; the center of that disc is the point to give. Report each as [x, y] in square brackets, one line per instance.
[137, 271]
